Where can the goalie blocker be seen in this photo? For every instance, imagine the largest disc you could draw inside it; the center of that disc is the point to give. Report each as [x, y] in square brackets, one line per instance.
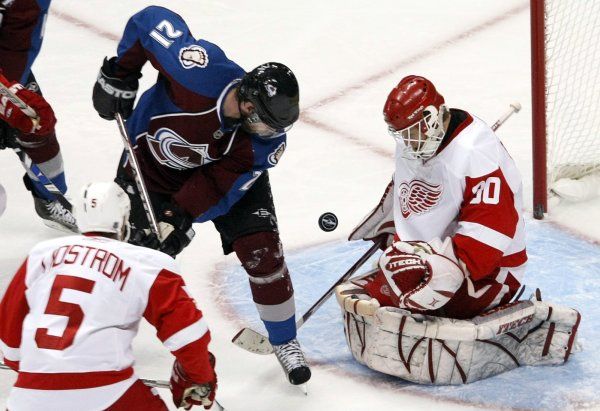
[436, 350]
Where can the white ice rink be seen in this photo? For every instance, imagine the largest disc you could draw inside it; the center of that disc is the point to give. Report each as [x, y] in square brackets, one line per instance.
[347, 56]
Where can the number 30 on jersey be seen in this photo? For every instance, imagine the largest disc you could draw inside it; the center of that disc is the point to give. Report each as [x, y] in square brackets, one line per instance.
[487, 191]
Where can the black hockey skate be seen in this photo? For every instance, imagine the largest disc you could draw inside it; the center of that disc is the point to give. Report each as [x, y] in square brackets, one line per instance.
[55, 215]
[292, 360]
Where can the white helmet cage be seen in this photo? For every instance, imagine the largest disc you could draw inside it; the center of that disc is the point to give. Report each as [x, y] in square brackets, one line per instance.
[419, 144]
[103, 208]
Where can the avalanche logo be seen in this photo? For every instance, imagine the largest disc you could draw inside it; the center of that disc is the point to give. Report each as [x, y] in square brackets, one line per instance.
[417, 197]
[193, 56]
[172, 150]
[276, 155]
[271, 90]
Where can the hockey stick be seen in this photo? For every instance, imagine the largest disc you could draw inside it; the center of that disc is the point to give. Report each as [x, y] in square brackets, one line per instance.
[25, 159]
[514, 108]
[253, 341]
[148, 382]
[139, 178]
[48, 185]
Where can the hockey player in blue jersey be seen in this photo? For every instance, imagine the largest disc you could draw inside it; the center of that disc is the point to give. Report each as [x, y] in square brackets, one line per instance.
[21, 35]
[205, 135]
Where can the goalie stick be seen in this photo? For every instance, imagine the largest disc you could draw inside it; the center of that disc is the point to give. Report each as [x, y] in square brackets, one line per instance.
[254, 342]
[148, 382]
[25, 159]
[257, 343]
[514, 108]
[139, 178]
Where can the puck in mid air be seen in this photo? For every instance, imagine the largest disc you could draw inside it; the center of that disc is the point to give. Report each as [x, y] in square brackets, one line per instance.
[328, 222]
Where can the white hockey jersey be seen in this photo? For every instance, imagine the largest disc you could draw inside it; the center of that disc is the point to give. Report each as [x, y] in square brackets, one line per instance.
[72, 310]
[471, 191]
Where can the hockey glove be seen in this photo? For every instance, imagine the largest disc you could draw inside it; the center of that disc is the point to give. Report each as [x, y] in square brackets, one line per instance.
[379, 222]
[8, 136]
[414, 276]
[114, 93]
[187, 393]
[403, 270]
[16, 118]
[175, 226]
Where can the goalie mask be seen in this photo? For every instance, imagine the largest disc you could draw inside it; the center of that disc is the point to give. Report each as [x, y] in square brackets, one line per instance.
[414, 112]
[273, 90]
[103, 208]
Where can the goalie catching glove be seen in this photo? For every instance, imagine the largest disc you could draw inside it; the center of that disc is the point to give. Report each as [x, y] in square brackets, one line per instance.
[414, 276]
[10, 112]
[187, 393]
[379, 222]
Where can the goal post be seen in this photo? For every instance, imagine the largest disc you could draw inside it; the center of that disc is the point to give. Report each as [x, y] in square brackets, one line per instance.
[538, 101]
[565, 81]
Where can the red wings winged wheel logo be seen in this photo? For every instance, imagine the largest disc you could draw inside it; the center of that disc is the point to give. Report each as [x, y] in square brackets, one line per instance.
[418, 197]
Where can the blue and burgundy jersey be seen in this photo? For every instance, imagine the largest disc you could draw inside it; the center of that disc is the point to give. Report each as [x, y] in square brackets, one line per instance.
[183, 145]
[21, 34]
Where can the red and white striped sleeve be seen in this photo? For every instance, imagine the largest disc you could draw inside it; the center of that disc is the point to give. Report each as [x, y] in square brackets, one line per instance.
[487, 223]
[180, 325]
[13, 309]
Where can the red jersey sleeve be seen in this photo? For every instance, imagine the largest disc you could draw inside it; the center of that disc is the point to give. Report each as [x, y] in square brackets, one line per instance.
[13, 309]
[180, 325]
[487, 223]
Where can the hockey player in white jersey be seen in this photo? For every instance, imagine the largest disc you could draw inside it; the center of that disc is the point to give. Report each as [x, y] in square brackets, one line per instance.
[437, 310]
[74, 306]
[454, 184]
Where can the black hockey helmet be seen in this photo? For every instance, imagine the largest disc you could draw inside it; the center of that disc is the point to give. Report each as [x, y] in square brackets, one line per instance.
[273, 89]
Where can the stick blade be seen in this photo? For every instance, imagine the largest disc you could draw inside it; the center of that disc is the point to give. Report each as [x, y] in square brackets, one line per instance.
[252, 341]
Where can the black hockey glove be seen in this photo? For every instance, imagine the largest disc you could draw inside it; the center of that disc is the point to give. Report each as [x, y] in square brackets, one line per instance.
[114, 93]
[8, 136]
[175, 226]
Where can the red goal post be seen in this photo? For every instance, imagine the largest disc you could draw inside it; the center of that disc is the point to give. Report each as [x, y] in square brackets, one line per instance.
[565, 80]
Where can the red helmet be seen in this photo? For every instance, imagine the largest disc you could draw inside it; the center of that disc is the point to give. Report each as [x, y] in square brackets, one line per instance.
[414, 112]
[407, 101]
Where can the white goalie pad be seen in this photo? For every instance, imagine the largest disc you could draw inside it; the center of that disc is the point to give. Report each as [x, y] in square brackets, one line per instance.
[436, 350]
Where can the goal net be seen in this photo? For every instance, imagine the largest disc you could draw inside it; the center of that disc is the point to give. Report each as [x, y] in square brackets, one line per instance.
[566, 94]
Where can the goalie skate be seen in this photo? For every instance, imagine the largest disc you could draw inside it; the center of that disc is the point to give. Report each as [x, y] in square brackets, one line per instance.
[292, 361]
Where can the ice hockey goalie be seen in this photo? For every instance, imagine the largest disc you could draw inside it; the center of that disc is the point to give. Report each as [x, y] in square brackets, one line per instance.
[438, 309]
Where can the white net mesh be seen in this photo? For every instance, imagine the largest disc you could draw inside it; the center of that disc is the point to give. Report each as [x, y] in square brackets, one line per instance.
[572, 87]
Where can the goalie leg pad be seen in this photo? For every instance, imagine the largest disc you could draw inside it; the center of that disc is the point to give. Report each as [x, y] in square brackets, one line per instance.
[554, 339]
[436, 350]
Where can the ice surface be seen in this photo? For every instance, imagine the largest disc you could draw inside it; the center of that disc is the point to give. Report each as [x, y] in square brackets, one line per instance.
[347, 55]
[566, 269]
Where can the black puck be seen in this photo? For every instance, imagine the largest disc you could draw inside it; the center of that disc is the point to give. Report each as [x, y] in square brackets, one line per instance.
[328, 222]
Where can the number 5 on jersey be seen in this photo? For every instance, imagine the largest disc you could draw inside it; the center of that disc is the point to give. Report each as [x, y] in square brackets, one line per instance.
[57, 307]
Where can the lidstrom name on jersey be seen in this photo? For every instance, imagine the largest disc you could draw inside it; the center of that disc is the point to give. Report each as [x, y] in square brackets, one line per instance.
[172, 150]
[98, 259]
[418, 197]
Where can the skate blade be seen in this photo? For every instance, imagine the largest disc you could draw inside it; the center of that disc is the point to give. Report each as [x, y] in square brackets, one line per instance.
[304, 388]
[60, 227]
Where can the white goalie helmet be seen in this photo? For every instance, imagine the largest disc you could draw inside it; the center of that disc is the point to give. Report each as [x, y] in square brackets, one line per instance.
[103, 208]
